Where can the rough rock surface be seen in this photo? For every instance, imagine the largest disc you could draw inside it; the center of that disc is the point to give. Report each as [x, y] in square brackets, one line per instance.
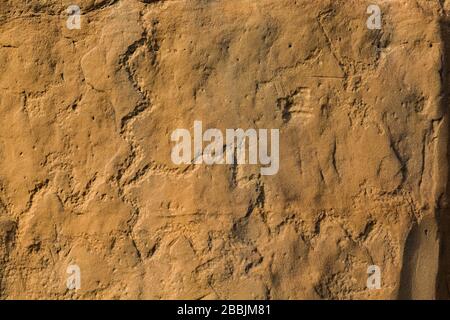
[86, 176]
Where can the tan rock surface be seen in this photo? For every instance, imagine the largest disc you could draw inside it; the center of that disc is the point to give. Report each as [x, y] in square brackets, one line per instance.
[86, 176]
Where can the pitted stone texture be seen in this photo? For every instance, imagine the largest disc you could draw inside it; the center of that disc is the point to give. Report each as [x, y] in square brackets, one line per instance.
[86, 176]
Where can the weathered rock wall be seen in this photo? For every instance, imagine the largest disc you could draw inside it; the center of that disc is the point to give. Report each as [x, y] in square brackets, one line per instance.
[86, 175]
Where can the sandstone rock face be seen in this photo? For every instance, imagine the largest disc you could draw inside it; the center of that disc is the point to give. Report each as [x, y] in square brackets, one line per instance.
[86, 174]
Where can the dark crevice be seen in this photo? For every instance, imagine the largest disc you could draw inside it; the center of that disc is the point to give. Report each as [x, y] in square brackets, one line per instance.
[443, 211]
